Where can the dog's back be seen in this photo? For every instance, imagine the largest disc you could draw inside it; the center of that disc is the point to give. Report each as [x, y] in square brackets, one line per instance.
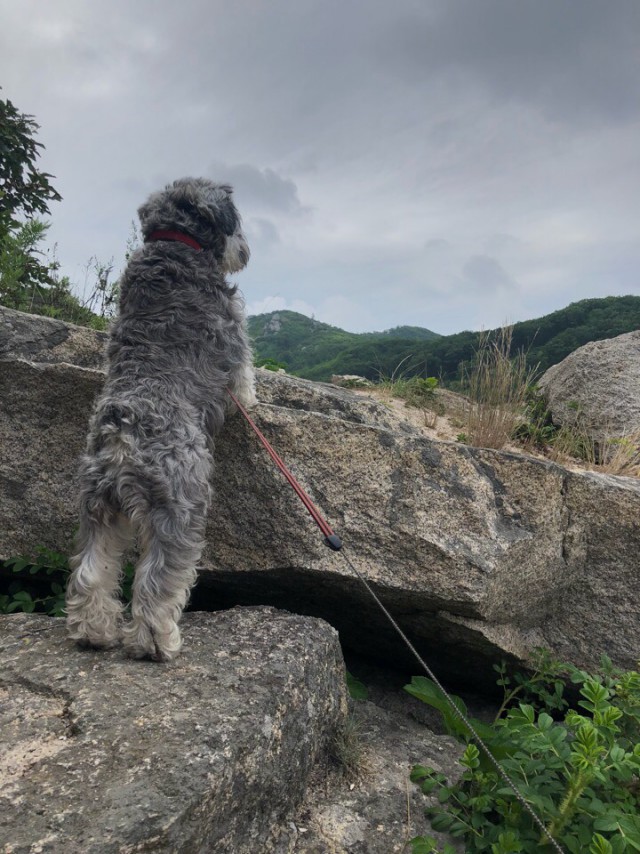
[177, 345]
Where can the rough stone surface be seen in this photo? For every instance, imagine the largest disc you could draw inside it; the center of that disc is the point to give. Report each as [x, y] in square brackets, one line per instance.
[377, 809]
[479, 554]
[290, 392]
[42, 339]
[599, 384]
[103, 755]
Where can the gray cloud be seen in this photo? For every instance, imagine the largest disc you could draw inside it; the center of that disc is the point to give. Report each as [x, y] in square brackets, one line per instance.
[443, 162]
[554, 54]
[262, 231]
[260, 188]
[486, 275]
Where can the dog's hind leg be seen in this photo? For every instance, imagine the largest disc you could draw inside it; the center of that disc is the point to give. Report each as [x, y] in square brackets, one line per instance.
[93, 605]
[164, 576]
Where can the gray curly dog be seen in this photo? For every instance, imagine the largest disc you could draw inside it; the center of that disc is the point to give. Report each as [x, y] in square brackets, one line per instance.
[178, 343]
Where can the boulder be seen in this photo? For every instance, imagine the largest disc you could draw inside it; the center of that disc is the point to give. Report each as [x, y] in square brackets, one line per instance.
[480, 554]
[42, 339]
[597, 388]
[104, 755]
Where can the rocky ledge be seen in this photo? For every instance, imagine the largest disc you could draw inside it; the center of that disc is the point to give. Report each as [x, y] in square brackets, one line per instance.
[479, 554]
[103, 755]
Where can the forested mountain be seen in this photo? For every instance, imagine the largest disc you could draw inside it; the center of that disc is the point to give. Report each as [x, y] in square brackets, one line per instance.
[316, 350]
[303, 344]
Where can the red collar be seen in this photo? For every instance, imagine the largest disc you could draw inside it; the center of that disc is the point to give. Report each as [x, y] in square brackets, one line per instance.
[174, 235]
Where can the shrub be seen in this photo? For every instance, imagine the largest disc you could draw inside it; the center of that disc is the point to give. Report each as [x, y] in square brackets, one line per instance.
[270, 365]
[37, 584]
[537, 430]
[577, 765]
[418, 392]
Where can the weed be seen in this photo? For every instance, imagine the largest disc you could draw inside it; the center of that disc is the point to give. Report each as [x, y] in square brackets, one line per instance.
[604, 451]
[620, 454]
[415, 391]
[418, 392]
[538, 429]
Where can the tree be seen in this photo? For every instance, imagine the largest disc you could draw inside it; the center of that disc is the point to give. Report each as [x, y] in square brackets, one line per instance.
[24, 189]
[25, 192]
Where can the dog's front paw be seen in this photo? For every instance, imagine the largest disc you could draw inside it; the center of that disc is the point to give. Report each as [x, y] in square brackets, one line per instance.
[93, 620]
[142, 641]
[249, 401]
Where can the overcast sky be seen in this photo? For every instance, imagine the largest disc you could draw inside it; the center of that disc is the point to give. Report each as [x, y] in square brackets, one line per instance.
[452, 164]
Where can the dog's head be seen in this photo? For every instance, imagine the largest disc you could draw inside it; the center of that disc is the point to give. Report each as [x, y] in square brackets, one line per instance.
[203, 210]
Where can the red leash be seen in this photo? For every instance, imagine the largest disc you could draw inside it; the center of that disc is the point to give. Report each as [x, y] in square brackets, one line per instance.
[332, 540]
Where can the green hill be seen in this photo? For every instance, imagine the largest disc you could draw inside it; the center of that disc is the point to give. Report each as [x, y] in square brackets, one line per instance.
[303, 344]
[316, 350]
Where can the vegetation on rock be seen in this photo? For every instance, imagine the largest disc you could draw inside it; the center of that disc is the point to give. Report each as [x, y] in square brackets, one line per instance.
[576, 762]
[37, 583]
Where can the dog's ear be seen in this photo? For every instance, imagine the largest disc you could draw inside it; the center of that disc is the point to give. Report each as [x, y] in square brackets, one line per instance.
[225, 215]
[221, 209]
[147, 211]
[212, 203]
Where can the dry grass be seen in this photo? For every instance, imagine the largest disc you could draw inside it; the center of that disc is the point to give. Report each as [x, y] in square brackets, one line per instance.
[610, 454]
[496, 384]
[621, 455]
[350, 752]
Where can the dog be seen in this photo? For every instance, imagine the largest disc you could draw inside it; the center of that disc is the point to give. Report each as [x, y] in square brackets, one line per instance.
[178, 343]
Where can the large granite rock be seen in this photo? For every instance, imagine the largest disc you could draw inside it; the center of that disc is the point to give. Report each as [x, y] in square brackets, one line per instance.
[597, 387]
[43, 339]
[104, 755]
[479, 554]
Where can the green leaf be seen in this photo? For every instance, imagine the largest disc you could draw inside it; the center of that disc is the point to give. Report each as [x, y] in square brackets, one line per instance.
[14, 606]
[423, 845]
[630, 828]
[459, 828]
[418, 772]
[545, 721]
[599, 845]
[357, 690]
[427, 691]
[608, 823]
[427, 786]
[507, 843]
[442, 822]
[471, 757]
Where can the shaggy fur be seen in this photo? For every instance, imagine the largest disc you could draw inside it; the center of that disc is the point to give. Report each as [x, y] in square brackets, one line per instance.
[177, 345]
